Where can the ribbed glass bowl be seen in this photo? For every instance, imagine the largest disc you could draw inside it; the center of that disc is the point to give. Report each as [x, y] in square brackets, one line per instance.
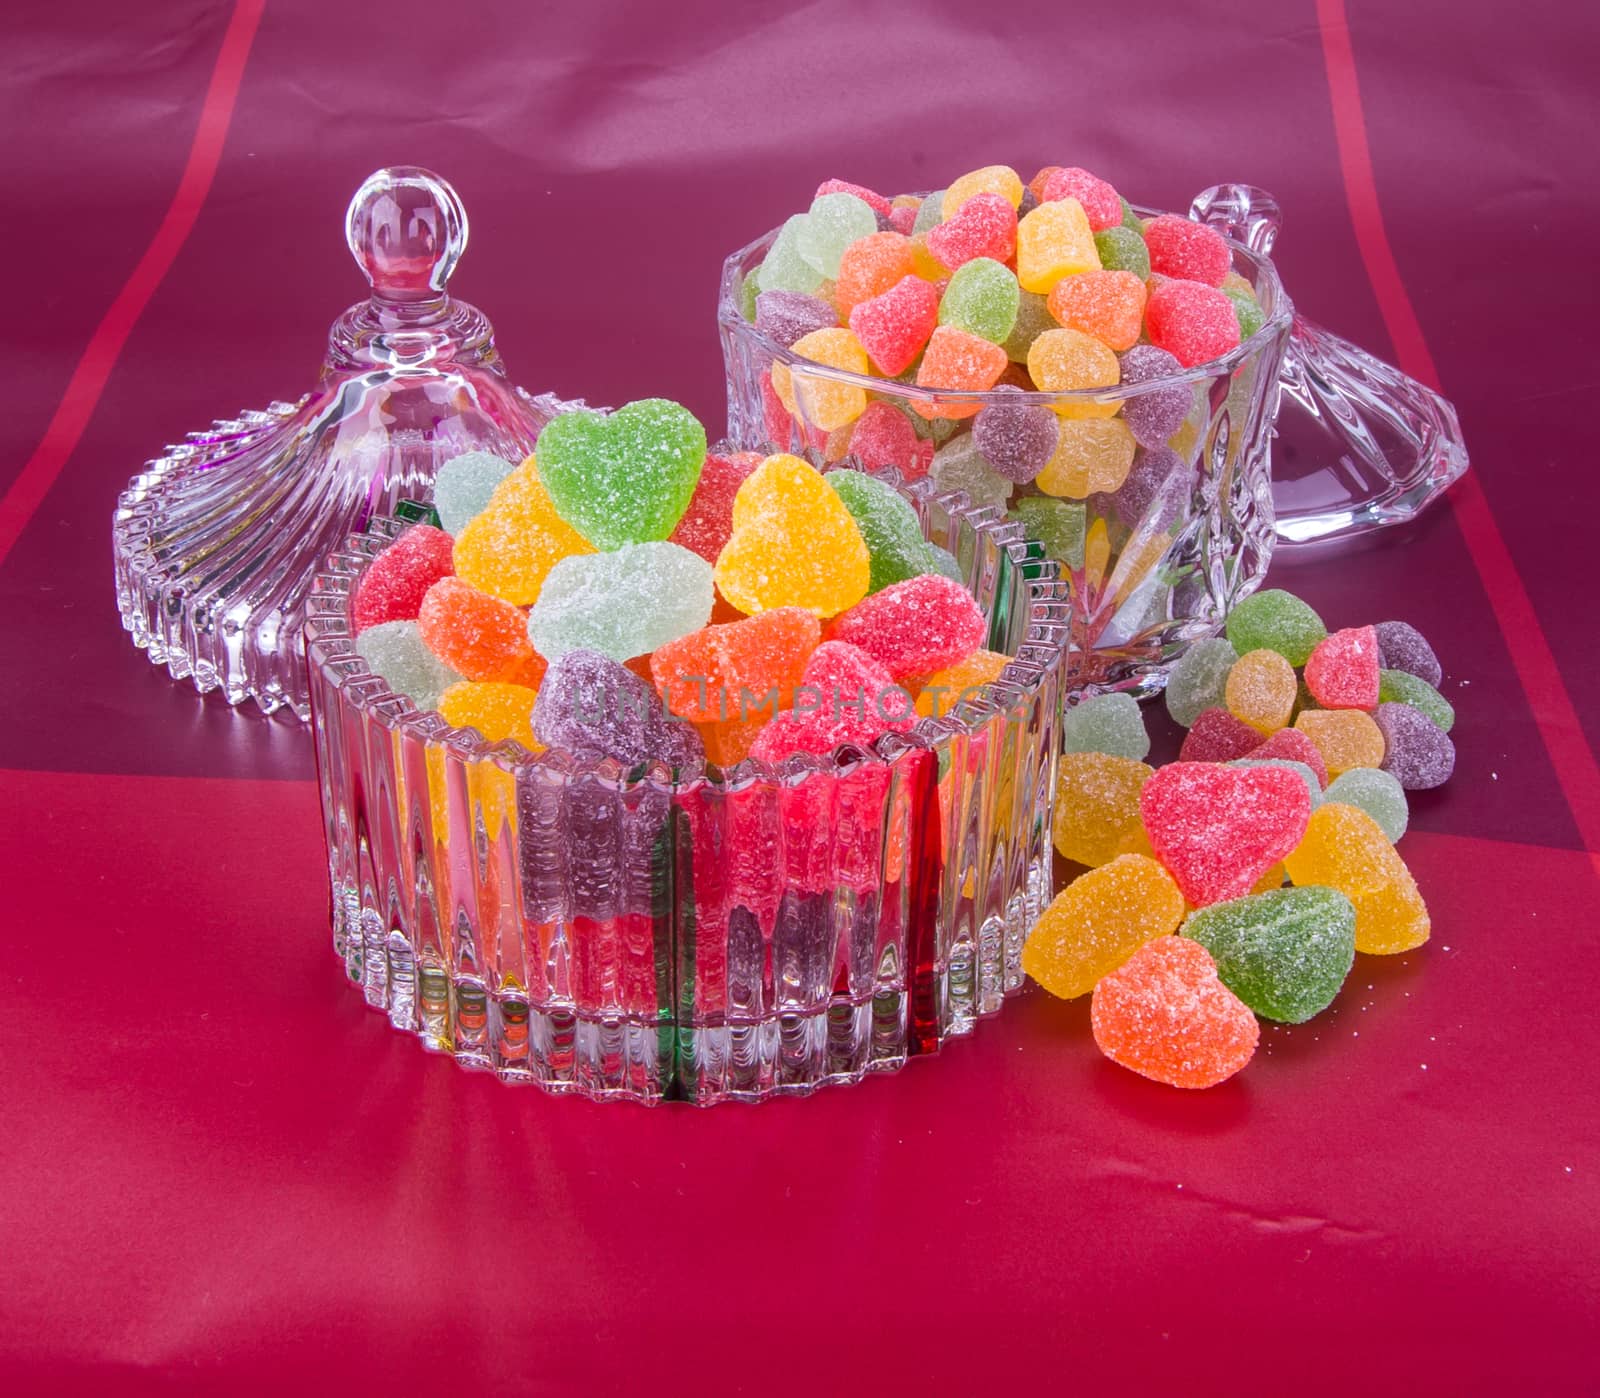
[702, 934]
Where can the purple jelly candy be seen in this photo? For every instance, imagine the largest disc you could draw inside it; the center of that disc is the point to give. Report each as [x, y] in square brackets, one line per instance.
[1015, 439]
[1402, 647]
[1154, 416]
[1416, 753]
[787, 316]
[1132, 498]
[593, 707]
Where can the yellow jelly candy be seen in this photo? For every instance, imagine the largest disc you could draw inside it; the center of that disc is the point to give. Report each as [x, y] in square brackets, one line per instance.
[510, 548]
[1098, 921]
[924, 263]
[824, 402]
[992, 179]
[1097, 805]
[946, 688]
[1092, 454]
[497, 711]
[1062, 360]
[794, 544]
[1054, 241]
[1346, 738]
[1270, 880]
[1137, 841]
[1344, 848]
[1261, 689]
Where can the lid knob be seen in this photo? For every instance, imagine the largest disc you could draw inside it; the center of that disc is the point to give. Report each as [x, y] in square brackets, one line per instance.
[406, 228]
[1245, 213]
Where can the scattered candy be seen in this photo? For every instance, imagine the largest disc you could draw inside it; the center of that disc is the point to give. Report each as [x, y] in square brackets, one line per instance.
[1346, 738]
[1260, 689]
[1300, 769]
[1097, 805]
[1342, 672]
[463, 486]
[1416, 752]
[622, 604]
[398, 579]
[1218, 736]
[1402, 647]
[1109, 723]
[1276, 620]
[1199, 680]
[1402, 687]
[395, 651]
[1377, 793]
[1345, 849]
[1291, 745]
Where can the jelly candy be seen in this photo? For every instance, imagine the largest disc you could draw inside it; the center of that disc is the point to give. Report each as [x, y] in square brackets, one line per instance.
[959, 465]
[1109, 723]
[1415, 751]
[1154, 415]
[1097, 805]
[1198, 681]
[1346, 738]
[824, 402]
[621, 604]
[1190, 251]
[784, 269]
[1107, 305]
[749, 289]
[1344, 848]
[984, 226]
[914, 627]
[1285, 953]
[1300, 769]
[1292, 745]
[1101, 203]
[1276, 620]
[396, 652]
[1217, 736]
[870, 267]
[941, 691]
[1247, 311]
[592, 706]
[946, 564]
[497, 711]
[930, 213]
[1402, 687]
[960, 362]
[1192, 322]
[1217, 829]
[1166, 1015]
[1033, 319]
[1377, 793]
[1052, 242]
[1093, 455]
[1057, 525]
[1000, 180]
[787, 316]
[982, 299]
[1015, 438]
[842, 679]
[463, 485]
[894, 326]
[1068, 360]
[889, 526]
[1261, 690]
[883, 436]
[871, 198]
[729, 671]
[1342, 672]
[1036, 185]
[708, 522]
[1122, 250]
[1402, 647]
[794, 544]
[478, 636]
[832, 224]
[396, 581]
[1150, 472]
[1098, 921]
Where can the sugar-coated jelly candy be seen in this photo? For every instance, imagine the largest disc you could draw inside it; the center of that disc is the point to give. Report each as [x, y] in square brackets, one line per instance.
[396, 581]
[1122, 250]
[1377, 793]
[463, 485]
[1146, 482]
[1107, 305]
[794, 544]
[749, 289]
[1402, 687]
[893, 534]
[960, 362]
[1247, 311]
[708, 521]
[1154, 414]
[787, 316]
[1068, 360]
[621, 604]
[832, 224]
[1054, 241]
[871, 198]
[1217, 829]
[1097, 805]
[1199, 680]
[1033, 319]
[1346, 738]
[894, 326]
[1342, 672]
[1291, 745]
[478, 636]
[959, 465]
[396, 652]
[991, 179]
[930, 213]
[1098, 921]
[1166, 1015]
[1300, 769]
[982, 299]
[1092, 455]
[509, 549]
[946, 564]
[1192, 322]
[1015, 438]
[984, 226]
[1403, 647]
[870, 267]
[1101, 203]
[1260, 690]
[592, 706]
[497, 711]
[1059, 526]
[914, 627]
[1344, 848]
[1416, 752]
[731, 671]
[1216, 735]
[883, 436]
[839, 677]
[1110, 723]
[1276, 620]
[1285, 953]
[824, 402]
[1181, 248]
[941, 691]
[784, 269]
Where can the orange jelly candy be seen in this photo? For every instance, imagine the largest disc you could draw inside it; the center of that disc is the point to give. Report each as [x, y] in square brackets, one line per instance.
[870, 266]
[707, 675]
[478, 636]
[1107, 305]
[961, 362]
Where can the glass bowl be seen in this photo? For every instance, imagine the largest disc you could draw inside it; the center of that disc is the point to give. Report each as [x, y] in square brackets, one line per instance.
[702, 934]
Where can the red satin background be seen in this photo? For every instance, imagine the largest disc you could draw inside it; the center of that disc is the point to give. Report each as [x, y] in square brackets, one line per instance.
[219, 1172]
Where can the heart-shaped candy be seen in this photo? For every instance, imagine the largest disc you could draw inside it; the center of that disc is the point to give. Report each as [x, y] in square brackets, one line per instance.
[626, 477]
[1219, 829]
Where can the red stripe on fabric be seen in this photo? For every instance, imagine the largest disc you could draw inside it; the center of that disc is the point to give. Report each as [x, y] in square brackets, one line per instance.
[26, 493]
[1531, 656]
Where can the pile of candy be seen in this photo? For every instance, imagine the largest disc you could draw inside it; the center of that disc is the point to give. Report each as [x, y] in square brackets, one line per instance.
[628, 595]
[1240, 880]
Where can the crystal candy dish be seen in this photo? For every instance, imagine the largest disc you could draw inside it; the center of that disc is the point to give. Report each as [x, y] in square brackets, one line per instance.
[216, 540]
[1163, 561]
[701, 934]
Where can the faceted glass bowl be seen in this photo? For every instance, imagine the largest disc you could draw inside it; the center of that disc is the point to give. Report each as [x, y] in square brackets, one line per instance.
[1155, 573]
[702, 933]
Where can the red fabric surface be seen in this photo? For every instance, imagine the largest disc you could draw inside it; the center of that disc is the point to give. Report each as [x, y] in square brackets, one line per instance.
[219, 1171]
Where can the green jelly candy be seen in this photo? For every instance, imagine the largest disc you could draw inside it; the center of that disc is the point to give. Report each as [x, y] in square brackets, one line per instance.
[1131, 219]
[888, 524]
[1376, 792]
[833, 223]
[946, 564]
[1033, 319]
[626, 477]
[1276, 620]
[930, 213]
[959, 465]
[395, 652]
[1285, 952]
[1399, 687]
[982, 299]
[785, 269]
[1199, 680]
[624, 603]
[1121, 249]
[1313, 786]
[1246, 309]
[749, 289]
[1109, 723]
[1059, 525]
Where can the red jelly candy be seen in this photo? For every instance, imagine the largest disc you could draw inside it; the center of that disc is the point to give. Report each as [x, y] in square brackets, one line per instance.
[782, 426]
[845, 680]
[1192, 322]
[1219, 829]
[1291, 745]
[395, 583]
[1219, 736]
[1180, 247]
[1342, 672]
[884, 436]
[914, 627]
[708, 522]
[1099, 199]
[894, 325]
[873, 200]
[985, 226]
[903, 218]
